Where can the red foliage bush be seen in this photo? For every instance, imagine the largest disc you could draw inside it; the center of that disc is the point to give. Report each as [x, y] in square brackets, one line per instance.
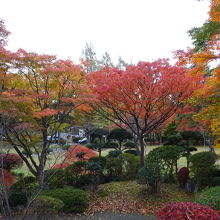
[186, 211]
[75, 150]
[6, 177]
[183, 175]
[10, 161]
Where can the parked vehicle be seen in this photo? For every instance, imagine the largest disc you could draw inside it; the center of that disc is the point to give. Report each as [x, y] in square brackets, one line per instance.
[83, 141]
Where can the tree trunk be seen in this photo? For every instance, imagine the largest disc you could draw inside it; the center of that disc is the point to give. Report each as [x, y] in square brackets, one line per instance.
[141, 146]
[136, 145]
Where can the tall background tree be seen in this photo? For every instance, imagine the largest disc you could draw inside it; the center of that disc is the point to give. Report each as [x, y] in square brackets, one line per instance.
[4, 33]
[204, 59]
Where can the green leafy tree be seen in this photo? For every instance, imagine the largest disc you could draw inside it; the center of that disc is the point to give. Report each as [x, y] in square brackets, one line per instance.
[120, 135]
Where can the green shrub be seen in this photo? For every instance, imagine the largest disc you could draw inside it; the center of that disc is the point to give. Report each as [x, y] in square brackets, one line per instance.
[47, 205]
[123, 167]
[216, 172]
[216, 181]
[76, 174]
[17, 198]
[57, 178]
[150, 174]
[94, 169]
[192, 137]
[66, 146]
[166, 157]
[129, 144]
[168, 178]
[75, 139]
[173, 139]
[202, 166]
[25, 184]
[130, 166]
[114, 153]
[100, 160]
[210, 197]
[27, 152]
[134, 152]
[75, 200]
[120, 135]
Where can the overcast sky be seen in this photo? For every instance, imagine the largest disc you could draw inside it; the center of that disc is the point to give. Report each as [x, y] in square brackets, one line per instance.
[133, 29]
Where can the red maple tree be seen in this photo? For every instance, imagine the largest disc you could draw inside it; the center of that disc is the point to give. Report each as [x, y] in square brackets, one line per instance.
[141, 97]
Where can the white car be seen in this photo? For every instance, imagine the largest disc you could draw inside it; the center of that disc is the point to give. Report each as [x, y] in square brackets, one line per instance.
[83, 141]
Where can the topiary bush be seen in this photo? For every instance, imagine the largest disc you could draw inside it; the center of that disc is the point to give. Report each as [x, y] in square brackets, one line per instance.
[120, 135]
[150, 174]
[186, 211]
[183, 176]
[216, 181]
[76, 174]
[100, 160]
[166, 157]
[210, 197]
[134, 152]
[27, 152]
[25, 184]
[47, 205]
[202, 166]
[17, 199]
[129, 144]
[56, 178]
[173, 139]
[123, 167]
[75, 200]
[94, 168]
[130, 166]
[114, 153]
[10, 161]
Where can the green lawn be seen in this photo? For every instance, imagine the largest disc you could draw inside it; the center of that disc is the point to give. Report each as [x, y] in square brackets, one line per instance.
[58, 158]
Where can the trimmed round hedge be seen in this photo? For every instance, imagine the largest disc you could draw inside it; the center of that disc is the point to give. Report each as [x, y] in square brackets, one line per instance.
[210, 197]
[17, 198]
[75, 200]
[47, 205]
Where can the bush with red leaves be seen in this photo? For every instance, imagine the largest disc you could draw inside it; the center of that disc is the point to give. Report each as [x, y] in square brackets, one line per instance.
[6, 177]
[10, 161]
[78, 152]
[186, 211]
[183, 176]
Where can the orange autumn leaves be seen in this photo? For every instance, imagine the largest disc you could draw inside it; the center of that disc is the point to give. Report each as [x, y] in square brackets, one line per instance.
[72, 155]
[206, 62]
[40, 86]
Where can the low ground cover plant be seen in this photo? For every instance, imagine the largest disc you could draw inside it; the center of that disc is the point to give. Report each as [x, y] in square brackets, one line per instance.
[210, 197]
[186, 211]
